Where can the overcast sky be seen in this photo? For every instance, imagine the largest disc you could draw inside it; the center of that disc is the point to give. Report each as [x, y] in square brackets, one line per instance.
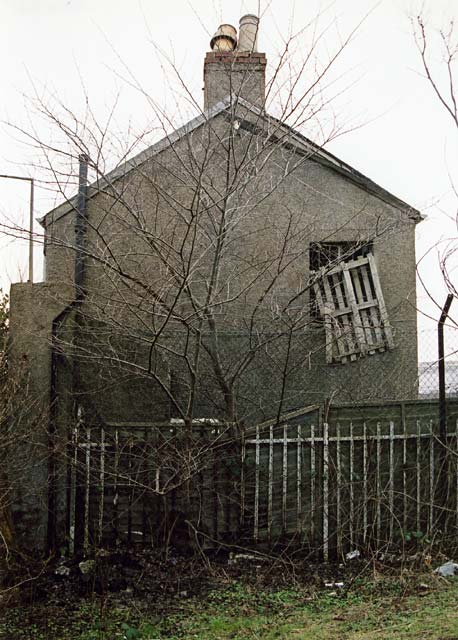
[57, 46]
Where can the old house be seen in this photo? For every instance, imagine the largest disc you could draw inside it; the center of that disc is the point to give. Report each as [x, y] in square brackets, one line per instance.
[232, 272]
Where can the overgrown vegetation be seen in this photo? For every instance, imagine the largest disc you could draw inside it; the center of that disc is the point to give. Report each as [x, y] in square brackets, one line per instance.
[6, 527]
[260, 604]
[4, 313]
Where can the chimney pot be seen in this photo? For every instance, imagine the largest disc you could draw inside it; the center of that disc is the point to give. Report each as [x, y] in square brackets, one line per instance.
[248, 33]
[225, 39]
[234, 71]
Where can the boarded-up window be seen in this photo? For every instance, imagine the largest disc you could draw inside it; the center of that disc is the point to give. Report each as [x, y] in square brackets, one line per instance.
[349, 298]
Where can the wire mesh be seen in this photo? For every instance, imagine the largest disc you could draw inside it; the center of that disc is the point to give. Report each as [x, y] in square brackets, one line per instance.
[428, 366]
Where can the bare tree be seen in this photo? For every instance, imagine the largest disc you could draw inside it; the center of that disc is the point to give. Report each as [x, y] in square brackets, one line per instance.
[438, 51]
[189, 276]
[442, 81]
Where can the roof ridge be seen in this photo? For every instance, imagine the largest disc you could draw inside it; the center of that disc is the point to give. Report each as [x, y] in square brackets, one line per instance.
[320, 155]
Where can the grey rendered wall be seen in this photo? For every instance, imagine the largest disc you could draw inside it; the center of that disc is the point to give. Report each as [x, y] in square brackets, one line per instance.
[341, 211]
[322, 205]
[59, 261]
[32, 309]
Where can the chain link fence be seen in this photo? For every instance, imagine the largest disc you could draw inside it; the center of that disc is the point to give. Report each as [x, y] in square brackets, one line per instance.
[428, 369]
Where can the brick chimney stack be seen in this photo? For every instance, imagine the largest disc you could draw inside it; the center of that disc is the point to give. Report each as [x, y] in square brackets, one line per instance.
[235, 67]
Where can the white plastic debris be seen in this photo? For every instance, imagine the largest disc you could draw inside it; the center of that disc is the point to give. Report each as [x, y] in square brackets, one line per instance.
[62, 570]
[87, 567]
[236, 558]
[334, 585]
[448, 569]
[353, 555]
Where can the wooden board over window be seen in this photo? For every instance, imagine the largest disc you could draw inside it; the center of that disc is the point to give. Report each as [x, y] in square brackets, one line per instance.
[350, 301]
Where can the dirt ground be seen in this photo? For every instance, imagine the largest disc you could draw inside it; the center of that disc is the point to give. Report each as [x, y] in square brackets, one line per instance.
[145, 596]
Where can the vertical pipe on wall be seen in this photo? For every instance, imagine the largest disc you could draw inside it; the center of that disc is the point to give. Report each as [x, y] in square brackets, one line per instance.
[80, 231]
[80, 227]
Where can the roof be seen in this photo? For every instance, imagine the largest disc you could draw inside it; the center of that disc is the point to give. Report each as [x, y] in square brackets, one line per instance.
[294, 139]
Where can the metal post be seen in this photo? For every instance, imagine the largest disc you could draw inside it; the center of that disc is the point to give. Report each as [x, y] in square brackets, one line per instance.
[441, 366]
[439, 494]
[31, 231]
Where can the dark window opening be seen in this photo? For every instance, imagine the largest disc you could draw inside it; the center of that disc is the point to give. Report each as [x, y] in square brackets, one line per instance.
[325, 254]
[329, 254]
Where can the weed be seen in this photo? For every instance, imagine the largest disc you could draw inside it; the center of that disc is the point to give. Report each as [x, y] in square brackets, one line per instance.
[382, 609]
